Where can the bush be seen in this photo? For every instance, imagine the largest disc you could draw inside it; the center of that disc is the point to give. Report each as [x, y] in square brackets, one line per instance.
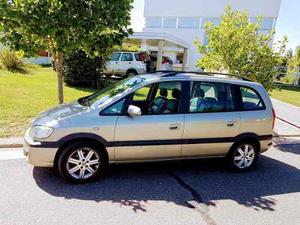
[289, 78]
[12, 61]
[82, 71]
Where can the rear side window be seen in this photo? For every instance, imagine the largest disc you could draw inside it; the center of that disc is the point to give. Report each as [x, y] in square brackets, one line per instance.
[251, 99]
[127, 57]
[208, 97]
[137, 57]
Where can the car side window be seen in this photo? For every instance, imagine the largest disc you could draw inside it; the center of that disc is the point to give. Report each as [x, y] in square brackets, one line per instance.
[137, 57]
[115, 56]
[127, 57]
[167, 98]
[250, 99]
[207, 97]
[141, 94]
[115, 109]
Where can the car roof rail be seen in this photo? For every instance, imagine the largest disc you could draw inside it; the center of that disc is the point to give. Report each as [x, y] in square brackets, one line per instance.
[170, 73]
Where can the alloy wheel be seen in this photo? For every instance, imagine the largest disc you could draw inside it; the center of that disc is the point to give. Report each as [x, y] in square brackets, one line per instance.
[83, 163]
[244, 156]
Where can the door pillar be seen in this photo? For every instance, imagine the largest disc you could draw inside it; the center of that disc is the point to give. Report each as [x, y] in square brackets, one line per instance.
[159, 54]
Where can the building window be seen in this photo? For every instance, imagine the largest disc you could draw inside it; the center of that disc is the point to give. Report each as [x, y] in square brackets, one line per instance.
[215, 21]
[153, 22]
[266, 23]
[169, 23]
[187, 22]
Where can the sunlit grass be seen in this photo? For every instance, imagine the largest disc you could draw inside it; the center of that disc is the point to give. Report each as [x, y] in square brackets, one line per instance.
[23, 96]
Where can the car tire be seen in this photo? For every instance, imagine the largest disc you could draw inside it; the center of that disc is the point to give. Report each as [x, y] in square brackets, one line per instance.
[82, 162]
[131, 73]
[243, 156]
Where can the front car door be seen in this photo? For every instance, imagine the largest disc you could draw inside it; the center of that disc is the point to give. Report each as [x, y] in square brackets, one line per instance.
[126, 62]
[210, 121]
[156, 134]
[113, 64]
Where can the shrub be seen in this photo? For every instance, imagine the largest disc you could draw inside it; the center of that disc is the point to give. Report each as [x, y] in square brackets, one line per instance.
[82, 71]
[289, 78]
[12, 61]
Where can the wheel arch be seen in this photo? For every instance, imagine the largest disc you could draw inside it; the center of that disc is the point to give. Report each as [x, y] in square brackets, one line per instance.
[246, 137]
[131, 69]
[70, 139]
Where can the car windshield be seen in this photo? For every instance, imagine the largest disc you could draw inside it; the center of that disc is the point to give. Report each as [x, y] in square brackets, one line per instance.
[105, 94]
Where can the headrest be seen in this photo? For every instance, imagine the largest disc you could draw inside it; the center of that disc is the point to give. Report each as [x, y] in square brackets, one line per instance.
[199, 93]
[176, 93]
[163, 92]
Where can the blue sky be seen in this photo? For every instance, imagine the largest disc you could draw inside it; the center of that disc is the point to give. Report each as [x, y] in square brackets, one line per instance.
[288, 22]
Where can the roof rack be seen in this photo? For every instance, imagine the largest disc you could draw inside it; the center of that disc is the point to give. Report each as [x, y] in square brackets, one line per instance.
[170, 73]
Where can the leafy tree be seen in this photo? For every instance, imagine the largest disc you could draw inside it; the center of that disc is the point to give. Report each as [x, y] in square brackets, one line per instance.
[236, 46]
[64, 26]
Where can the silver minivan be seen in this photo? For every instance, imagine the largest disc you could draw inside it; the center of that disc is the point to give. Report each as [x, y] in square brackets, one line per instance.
[154, 117]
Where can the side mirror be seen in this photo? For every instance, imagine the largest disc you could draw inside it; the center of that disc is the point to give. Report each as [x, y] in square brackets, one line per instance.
[134, 111]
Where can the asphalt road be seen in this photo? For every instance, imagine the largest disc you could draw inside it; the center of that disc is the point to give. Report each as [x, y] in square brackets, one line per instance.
[157, 193]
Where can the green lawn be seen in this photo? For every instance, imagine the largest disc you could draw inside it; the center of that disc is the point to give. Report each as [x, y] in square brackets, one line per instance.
[288, 94]
[23, 96]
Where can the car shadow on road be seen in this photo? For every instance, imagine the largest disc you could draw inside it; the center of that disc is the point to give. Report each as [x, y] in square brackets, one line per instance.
[206, 180]
[291, 145]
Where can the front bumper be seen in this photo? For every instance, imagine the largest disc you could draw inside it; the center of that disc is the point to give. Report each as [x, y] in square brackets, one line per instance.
[38, 155]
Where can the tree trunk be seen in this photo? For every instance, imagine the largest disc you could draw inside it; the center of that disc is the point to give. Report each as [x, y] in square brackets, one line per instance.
[58, 62]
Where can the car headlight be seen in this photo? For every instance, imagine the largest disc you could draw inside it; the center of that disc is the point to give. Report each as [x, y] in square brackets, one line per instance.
[41, 132]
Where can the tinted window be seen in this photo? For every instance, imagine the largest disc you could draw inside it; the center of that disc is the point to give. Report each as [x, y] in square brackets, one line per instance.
[153, 22]
[169, 23]
[127, 57]
[137, 57]
[115, 109]
[187, 22]
[115, 57]
[207, 97]
[250, 99]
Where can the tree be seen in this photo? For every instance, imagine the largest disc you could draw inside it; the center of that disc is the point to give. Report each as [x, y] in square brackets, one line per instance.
[236, 46]
[64, 26]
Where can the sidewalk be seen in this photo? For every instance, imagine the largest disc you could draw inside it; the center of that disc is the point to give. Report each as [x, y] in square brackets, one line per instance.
[12, 142]
[287, 119]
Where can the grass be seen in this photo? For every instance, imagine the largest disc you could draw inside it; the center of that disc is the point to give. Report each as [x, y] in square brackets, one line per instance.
[287, 93]
[24, 96]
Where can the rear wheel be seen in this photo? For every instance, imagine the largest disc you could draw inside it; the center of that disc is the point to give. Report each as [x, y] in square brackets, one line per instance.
[82, 162]
[243, 156]
[131, 73]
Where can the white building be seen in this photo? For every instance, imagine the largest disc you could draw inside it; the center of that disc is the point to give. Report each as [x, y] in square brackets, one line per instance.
[183, 21]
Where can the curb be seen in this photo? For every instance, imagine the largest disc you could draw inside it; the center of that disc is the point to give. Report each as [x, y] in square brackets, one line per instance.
[15, 145]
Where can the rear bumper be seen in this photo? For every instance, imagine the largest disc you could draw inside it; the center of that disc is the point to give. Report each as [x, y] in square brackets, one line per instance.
[38, 156]
[265, 145]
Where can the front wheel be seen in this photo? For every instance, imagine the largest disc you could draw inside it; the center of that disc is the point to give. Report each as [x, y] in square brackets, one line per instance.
[243, 156]
[82, 162]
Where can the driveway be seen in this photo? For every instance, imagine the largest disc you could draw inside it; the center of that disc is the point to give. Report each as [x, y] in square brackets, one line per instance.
[157, 193]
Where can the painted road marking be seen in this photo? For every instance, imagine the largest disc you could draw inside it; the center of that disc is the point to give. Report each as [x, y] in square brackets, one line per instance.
[11, 154]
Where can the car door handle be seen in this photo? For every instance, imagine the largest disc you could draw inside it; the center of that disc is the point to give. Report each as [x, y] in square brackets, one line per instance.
[116, 62]
[129, 62]
[230, 123]
[174, 126]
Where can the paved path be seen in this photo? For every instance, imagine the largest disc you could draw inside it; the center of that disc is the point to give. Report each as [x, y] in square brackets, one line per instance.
[288, 118]
[157, 193]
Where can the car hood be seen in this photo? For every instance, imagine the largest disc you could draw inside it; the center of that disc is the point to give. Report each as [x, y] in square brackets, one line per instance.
[59, 112]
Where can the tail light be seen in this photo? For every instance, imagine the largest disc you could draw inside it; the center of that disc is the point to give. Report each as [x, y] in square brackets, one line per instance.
[273, 118]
